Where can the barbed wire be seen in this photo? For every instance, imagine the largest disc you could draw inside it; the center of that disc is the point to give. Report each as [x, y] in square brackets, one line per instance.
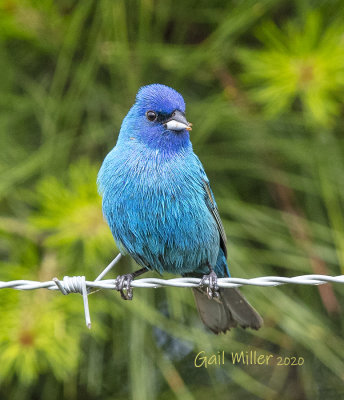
[72, 284]
[79, 284]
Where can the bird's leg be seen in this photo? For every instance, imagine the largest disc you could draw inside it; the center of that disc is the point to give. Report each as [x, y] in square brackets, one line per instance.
[123, 283]
[212, 287]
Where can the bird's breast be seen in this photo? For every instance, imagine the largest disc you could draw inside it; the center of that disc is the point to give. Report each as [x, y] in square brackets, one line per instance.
[156, 210]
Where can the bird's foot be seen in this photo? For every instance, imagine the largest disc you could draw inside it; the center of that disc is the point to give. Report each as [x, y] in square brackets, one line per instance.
[212, 287]
[123, 286]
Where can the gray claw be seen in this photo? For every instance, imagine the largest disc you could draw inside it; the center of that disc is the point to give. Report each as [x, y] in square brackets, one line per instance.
[212, 287]
[123, 286]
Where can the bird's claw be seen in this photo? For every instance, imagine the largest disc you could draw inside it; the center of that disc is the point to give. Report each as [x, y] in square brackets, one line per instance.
[212, 286]
[122, 283]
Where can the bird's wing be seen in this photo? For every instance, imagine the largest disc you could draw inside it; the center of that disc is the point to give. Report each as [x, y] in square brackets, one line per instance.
[211, 204]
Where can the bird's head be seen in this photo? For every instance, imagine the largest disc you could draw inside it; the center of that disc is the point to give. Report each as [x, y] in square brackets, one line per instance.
[157, 119]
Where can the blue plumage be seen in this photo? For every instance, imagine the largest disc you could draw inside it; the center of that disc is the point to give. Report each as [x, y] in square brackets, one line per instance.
[154, 197]
[161, 210]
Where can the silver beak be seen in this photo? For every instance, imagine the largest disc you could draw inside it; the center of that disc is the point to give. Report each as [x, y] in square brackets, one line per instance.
[178, 122]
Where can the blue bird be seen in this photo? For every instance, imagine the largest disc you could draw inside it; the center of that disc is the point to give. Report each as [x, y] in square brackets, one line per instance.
[161, 210]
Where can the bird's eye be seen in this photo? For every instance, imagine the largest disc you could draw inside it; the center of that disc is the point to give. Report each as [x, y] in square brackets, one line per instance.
[151, 115]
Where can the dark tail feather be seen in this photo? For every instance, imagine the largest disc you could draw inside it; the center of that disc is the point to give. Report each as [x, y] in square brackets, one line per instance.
[227, 311]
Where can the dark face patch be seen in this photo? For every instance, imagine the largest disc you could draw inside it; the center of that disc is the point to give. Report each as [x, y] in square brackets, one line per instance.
[162, 117]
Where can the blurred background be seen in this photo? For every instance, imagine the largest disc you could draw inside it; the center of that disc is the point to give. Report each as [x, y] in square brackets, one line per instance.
[263, 81]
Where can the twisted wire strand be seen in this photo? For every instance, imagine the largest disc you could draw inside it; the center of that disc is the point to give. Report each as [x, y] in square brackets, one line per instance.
[78, 284]
[73, 285]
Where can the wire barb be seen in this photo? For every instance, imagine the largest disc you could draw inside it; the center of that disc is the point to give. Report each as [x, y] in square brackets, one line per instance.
[75, 284]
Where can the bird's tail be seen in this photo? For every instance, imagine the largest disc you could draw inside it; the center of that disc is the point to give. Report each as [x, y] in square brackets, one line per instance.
[227, 311]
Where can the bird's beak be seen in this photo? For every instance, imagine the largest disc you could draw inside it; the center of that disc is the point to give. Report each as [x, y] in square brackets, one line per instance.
[177, 122]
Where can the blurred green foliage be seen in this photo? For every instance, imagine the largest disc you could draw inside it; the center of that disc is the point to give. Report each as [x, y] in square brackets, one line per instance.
[263, 81]
[304, 62]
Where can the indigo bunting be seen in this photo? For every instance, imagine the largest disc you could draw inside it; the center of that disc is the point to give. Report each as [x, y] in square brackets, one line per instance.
[161, 210]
